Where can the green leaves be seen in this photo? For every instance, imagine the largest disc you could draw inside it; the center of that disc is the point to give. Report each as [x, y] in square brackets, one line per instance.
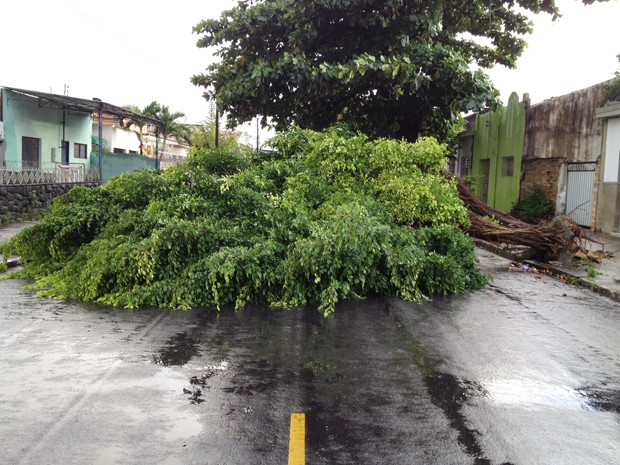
[326, 217]
[384, 67]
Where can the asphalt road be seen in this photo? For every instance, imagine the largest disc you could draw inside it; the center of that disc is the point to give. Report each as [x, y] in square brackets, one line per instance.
[524, 372]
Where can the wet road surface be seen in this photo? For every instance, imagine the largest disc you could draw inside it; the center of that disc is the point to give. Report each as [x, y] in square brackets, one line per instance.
[524, 372]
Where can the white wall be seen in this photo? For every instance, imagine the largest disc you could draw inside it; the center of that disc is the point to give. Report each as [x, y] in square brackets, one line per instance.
[172, 148]
[612, 151]
[118, 138]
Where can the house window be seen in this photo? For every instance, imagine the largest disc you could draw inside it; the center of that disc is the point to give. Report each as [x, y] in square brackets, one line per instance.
[79, 150]
[508, 166]
[452, 165]
[466, 166]
[31, 148]
[117, 150]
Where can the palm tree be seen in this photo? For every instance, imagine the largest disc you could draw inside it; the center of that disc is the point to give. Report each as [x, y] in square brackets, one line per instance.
[170, 126]
[138, 127]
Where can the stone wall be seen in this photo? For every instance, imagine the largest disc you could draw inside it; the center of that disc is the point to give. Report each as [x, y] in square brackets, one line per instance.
[19, 200]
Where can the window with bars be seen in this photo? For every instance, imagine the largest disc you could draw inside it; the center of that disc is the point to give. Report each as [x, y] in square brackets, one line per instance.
[508, 166]
[31, 148]
[79, 150]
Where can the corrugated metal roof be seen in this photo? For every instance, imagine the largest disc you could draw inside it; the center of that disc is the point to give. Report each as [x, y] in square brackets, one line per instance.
[65, 102]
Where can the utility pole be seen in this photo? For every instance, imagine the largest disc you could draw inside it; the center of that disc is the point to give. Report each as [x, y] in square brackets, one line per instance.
[217, 126]
[100, 142]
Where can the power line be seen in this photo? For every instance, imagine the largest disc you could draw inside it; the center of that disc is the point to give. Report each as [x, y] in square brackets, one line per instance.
[111, 33]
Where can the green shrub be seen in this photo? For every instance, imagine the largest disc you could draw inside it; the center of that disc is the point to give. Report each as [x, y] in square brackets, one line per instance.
[533, 206]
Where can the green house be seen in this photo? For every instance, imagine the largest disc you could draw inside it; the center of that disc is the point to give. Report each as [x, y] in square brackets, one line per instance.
[495, 144]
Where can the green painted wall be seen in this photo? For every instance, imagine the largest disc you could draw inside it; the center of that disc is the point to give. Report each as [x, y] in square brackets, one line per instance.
[23, 117]
[119, 163]
[498, 136]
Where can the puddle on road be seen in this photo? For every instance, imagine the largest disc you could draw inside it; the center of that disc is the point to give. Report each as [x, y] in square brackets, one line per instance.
[109, 456]
[601, 399]
[446, 391]
[255, 377]
[199, 383]
[178, 350]
[532, 393]
[450, 394]
[183, 429]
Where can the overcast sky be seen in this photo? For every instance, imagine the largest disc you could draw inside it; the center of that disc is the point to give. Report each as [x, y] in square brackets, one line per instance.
[136, 51]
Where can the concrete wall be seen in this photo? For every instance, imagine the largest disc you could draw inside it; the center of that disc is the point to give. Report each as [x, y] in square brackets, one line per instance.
[23, 117]
[566, 126]
[172, 147]
[608, 198]
[117, 137]
[611, 170]
[608, 214]
[19, 200]
[115, 164]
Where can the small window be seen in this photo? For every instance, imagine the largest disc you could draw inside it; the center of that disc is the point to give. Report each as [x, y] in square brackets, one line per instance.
[508, 166]
[133, 152]
[79, 150]
[31, 147]
[117, 150]
[452, 165]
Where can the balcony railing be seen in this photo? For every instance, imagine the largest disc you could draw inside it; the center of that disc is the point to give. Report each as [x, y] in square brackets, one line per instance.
[22, 173]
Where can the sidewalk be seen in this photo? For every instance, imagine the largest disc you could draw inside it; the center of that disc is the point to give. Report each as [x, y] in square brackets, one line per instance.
[603, 278]
[7, 231]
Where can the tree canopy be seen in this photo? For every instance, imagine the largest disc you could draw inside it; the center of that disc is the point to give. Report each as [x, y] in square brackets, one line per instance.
[391, 68]
[203, 136]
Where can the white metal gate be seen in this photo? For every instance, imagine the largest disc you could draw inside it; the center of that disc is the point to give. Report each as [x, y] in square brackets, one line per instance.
[580, 192]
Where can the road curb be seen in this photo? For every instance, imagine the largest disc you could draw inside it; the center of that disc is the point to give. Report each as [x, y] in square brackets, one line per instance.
[570, 278]
[576, 280]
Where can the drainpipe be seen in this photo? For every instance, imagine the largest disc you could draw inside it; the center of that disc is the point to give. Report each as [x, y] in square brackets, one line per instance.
[217, 127]
[100, 130]
[157, 147]
[62, 149]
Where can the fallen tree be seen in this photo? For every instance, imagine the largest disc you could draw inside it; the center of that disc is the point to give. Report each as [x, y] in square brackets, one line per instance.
[325, 217]
[549, 241]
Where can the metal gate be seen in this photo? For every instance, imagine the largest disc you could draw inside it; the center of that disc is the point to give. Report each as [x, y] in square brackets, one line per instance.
[580, 192]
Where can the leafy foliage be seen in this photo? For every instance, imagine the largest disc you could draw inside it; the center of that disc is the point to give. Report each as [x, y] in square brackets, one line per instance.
[203, 136]
[384, 67]
[325, 217]
[533, 205]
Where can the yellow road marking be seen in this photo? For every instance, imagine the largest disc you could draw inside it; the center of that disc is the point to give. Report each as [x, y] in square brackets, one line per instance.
[297, 441]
